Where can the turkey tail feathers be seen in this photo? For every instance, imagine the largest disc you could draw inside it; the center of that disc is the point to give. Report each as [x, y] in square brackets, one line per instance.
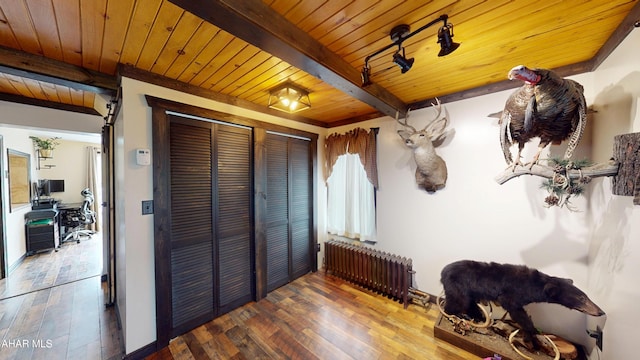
[505, 138]
[577, 133]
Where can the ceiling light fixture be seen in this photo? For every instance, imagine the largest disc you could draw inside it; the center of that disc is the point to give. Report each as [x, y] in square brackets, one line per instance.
[401, 33]
[289, 97]
[402, 61]
[445, 34]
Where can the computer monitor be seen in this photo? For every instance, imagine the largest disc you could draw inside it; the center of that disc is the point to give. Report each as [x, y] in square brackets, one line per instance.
[56, 186]
[48, 186]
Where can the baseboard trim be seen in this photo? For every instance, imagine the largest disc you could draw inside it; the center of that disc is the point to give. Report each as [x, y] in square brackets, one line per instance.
[142, 352]
[17, 263]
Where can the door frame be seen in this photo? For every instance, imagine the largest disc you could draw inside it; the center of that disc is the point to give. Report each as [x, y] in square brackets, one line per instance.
[108, 198]
[4, 269]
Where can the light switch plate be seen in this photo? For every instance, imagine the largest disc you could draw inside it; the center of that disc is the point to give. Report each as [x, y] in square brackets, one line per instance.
[147, 207]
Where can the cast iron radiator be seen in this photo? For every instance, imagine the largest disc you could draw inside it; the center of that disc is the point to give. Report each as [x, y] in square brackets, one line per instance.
[384, 273]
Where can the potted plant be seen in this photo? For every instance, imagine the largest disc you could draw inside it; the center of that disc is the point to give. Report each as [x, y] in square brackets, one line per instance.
[45, 146]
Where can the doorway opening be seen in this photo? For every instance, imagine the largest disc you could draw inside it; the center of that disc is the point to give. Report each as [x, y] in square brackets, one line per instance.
[27, 271]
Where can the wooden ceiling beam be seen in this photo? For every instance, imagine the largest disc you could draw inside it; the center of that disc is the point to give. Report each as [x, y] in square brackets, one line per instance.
[626, 26]
[564, 71]
[47, 104]
[40, 68]
[258, 24]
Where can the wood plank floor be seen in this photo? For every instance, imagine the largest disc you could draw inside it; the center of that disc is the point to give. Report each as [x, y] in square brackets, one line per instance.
[317, 317]
[62, 316]
[73, 261]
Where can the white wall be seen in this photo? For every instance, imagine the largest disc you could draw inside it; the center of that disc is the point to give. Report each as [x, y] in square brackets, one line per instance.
[70, 163]
[614, 248]
[15, 139]
[120, 226]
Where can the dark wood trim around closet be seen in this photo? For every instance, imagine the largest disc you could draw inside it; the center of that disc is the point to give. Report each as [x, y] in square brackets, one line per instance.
[161, 183]
[226, 117]
[260, 208]
[162, 229]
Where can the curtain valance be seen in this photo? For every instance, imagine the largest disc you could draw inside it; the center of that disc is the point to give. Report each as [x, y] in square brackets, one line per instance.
[357, 141]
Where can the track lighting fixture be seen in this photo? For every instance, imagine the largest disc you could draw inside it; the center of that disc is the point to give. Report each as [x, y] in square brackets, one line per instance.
[400, 60]
[401, 33]
[366, 75]
[447, 46]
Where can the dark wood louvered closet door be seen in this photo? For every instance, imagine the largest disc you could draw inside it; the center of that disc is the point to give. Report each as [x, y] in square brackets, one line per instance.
[211, 237]
[277, 222]
[289, 209]
[191, 209]
[234, 216]
[301, 207]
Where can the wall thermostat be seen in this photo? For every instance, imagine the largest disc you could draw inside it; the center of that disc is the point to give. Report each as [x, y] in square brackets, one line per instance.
[143, 156]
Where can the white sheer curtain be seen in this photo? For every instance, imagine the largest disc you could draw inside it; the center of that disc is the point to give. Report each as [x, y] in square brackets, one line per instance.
[351, 200]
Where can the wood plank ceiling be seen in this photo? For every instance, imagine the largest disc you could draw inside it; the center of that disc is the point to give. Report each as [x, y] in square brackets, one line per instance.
[66, 51]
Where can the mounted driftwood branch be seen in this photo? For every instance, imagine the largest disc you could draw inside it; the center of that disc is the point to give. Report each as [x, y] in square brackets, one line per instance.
[596, 170]
[626, 149]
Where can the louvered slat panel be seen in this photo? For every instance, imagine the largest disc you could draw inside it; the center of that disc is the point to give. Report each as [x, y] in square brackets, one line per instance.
[277, 256]
[234, 192]
[277, 212]
[235, 270]
[192, 291]
[191, 231]
[277, 175]
[300, 207]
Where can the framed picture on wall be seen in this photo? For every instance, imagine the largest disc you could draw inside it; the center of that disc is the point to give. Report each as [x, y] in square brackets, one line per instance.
[19, 167]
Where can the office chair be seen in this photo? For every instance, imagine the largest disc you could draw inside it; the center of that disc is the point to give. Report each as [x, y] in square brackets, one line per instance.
[81, 218]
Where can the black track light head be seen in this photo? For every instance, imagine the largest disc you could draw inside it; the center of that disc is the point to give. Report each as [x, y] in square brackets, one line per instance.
[404, 63]
[445, 35]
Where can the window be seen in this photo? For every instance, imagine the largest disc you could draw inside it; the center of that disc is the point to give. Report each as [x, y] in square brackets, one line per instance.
[351, 183]
[351, 200]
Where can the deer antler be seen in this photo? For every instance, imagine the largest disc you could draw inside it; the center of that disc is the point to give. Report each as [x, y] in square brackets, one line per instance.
[437, 126]
[405, 124]
[438, 107]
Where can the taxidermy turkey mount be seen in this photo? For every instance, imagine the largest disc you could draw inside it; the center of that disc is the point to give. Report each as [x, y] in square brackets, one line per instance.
[552, 109]
[547, 107]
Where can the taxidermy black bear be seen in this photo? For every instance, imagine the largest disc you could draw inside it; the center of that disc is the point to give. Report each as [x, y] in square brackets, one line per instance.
[467, 283]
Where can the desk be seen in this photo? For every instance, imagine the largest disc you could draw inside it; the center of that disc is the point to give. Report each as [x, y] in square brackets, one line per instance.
[67, 212]
[42, 231]
[42, 204]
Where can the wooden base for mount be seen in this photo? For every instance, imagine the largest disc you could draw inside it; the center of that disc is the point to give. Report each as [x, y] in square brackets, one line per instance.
[483, 345]
[606, 169]
[625, 169]
[626, 149]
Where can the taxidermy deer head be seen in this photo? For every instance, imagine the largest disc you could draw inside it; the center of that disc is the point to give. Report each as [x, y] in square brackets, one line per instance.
[431, 171]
